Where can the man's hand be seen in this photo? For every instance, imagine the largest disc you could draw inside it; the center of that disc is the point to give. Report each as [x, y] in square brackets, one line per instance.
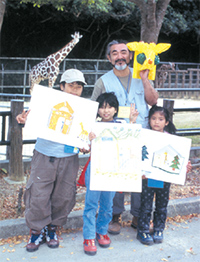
[144, 74]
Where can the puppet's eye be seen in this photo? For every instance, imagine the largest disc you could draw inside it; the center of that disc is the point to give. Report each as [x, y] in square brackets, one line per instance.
[157, 60]
[141, 58]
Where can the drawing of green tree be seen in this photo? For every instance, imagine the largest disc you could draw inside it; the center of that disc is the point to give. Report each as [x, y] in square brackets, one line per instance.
[175, 163]
[144, 153]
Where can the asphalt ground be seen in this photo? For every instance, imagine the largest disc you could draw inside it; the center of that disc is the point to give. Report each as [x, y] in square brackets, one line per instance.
[181, 243]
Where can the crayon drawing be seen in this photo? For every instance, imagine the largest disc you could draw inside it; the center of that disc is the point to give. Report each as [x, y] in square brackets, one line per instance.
[116, 157]
[60, 117]
[165, 156]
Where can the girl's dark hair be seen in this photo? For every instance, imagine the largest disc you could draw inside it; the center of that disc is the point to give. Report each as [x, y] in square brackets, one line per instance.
[170, 128]
[108, 99]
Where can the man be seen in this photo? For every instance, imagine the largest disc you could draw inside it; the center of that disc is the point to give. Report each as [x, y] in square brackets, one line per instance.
[128, 91]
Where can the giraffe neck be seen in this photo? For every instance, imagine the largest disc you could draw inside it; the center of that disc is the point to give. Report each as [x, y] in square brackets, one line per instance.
[60, 55]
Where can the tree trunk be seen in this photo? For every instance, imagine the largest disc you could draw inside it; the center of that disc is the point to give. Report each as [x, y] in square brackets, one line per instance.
[16, 170]
[2, 11]
[152, 14]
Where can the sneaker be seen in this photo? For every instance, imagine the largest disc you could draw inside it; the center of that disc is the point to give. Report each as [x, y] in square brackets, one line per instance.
[89, 247]
[37, 238]
[158, 237]
[145, 238]
[51, 236]
[103, 240]
[114, 226]
[134, 222]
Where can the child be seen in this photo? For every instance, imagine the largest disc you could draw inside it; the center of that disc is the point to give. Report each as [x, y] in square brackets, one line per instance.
[51, 188]
[92, 227]
[159, 121]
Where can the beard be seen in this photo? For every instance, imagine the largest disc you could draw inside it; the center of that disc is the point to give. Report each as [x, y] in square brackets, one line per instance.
[120, 67]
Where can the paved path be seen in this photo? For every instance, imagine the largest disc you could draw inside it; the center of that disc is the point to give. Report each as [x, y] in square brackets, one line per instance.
[181, 244]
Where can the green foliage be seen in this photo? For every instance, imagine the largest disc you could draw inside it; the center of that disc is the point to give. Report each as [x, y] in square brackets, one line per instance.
[182, 16]
[52, 21]
[103, 9]
[63, 5]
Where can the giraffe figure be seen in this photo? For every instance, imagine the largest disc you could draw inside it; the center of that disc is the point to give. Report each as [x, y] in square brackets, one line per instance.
[49, 68]
[162, 73]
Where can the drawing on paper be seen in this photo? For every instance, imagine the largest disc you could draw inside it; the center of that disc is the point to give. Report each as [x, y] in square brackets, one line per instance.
[84, 133]
[61, 117]
[116, 165]
[116, 139]
[168, 159]
[144, 153]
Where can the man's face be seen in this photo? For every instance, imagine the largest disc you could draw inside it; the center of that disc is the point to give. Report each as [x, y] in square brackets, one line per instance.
[119, 56]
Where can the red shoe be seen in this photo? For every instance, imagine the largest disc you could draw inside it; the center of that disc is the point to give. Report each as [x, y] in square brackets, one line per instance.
[90, 247]
[103, 240]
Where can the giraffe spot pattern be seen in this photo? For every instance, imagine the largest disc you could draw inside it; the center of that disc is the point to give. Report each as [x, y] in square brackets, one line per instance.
[49, 68]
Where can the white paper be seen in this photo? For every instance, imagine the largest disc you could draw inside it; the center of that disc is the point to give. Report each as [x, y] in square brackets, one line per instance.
[116, 158]
[165, 156]
[60, 117]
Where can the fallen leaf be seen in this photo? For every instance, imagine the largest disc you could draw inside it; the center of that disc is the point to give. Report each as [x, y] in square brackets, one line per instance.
[191, 251]
[164, 259]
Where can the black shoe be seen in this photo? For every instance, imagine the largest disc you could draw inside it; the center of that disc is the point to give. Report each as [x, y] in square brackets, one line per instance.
[145, 238]
[158, 237]
[114, 226]
[134, 223]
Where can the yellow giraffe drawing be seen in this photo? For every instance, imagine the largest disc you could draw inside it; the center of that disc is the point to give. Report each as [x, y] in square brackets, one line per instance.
[84, 133]
[64, 112]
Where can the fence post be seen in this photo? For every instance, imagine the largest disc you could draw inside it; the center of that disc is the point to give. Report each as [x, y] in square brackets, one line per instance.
[169, 105]
[16, 170]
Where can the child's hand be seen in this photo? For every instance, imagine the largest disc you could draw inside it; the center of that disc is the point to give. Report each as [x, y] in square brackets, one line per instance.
[189, 167]
[84, 151]
[133, 114]
[21, 118]
[92, 136]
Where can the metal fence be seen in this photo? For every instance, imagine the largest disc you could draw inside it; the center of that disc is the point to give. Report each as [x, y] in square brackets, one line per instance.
[183, 82]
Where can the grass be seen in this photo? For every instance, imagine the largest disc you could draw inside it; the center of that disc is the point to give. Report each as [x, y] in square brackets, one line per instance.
[188, 120]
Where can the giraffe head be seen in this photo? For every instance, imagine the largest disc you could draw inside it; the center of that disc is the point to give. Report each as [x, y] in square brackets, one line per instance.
[146, 57]
[76, 37]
